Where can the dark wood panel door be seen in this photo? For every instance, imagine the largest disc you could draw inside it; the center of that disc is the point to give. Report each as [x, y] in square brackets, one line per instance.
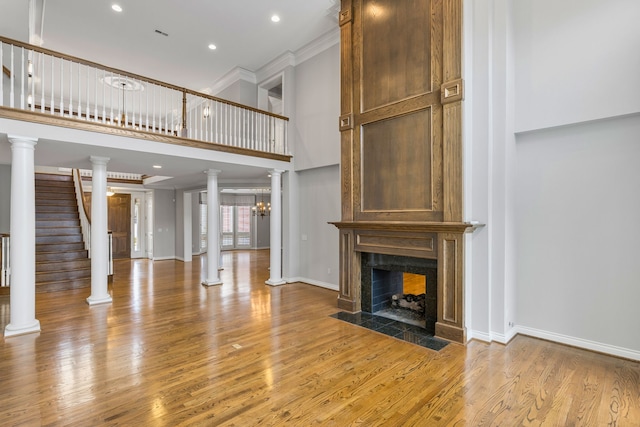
[120, 224]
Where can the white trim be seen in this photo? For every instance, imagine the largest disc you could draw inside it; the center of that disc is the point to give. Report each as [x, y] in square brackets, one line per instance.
[318, 283]
[477, 335]
[579, 342]
[230, 78]
[322, 43]
[287, 59]
[163, 258]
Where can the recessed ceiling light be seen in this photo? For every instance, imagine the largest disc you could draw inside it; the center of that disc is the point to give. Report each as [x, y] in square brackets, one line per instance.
[212, 46]
[275, 18]
[116, 7]
[157, 166]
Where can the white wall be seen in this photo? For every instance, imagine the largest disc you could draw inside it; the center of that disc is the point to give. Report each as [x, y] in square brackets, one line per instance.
[164, 224]
[242, 92]
[577, 60]
[578, 205]
[319, 242]
[195, 223]
[317, 93]
[5, 198]
[554, 198]
[262, 226]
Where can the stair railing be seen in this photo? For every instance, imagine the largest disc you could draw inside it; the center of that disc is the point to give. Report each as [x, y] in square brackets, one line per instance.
[85, 221]
[61, 86]
[85, 217]
[5, 266]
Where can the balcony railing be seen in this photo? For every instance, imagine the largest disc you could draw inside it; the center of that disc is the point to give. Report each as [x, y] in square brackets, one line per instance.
[54, 84]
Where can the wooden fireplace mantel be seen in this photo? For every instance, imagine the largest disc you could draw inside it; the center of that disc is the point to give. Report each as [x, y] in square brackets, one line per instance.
[442, 241]
[415, 226]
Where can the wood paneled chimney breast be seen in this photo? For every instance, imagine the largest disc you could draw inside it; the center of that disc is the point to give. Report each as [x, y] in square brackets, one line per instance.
[401, 144]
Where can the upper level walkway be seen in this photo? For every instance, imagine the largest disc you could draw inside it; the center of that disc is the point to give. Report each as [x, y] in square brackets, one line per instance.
[57, 97]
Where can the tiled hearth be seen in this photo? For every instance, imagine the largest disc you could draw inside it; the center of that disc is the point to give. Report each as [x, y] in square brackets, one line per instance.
[403, 331]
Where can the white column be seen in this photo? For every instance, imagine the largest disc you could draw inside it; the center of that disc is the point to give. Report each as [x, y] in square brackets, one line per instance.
[99, 230]
[213, 229]
[23, 239]
[275, 269]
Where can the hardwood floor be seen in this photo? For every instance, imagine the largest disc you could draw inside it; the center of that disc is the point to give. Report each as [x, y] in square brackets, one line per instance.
[169, 352]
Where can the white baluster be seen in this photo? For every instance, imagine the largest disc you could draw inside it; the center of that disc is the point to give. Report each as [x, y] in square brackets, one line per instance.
[104, 97]
[53, 101]
[62, 87]
[111, 100]
[88, 109]
[22, 82]
[33, 86]
[71, 89]
[95, 97]
[153, 115]
[79, 92]
[11, 80]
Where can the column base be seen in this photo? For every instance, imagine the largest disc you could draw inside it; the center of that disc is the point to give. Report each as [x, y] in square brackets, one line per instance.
[11, 331]
[102, 300]
[208, 283]
[272, 282]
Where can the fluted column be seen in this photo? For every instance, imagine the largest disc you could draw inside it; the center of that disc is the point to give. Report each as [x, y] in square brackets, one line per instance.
[99, 230]
[275, 268]
[23, 239]
[213, 229]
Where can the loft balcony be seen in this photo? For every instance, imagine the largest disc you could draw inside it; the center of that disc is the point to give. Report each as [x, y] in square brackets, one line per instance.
[43, 86]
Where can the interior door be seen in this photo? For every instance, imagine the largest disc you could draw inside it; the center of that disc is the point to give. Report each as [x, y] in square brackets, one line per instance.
[119, 206]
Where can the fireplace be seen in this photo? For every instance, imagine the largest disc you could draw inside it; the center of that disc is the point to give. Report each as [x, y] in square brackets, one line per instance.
[383, 276]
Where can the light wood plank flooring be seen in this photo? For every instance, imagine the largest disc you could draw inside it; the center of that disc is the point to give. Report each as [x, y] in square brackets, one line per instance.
[169, 352]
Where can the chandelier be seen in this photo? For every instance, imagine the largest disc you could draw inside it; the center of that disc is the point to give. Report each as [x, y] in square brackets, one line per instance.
[261, 209]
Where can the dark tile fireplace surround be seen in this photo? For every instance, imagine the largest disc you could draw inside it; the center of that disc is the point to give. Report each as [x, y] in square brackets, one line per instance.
[382, 278]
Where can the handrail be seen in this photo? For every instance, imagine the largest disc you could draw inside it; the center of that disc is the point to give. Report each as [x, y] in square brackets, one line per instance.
[85, 217]
[135, 76]
[84, 200]
[5, 260]
[60, 86]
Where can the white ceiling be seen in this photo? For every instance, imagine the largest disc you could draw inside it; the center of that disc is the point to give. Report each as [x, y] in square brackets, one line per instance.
[242, 30]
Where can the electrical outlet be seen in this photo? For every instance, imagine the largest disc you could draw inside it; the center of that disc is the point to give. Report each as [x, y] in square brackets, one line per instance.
[328, 270]
[511, 324]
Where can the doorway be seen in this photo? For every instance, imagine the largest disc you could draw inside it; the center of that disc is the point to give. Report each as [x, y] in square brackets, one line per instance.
[119, 206]
[235, 226]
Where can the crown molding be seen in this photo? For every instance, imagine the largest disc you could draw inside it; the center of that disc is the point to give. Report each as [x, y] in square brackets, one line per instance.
[277, 65]
[230, 78]
[287, 59]
[322, 43]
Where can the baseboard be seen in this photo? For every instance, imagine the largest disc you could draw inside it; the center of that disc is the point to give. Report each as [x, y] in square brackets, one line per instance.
[318, 283]
[476, 335]
[163, 258]
[580, 343]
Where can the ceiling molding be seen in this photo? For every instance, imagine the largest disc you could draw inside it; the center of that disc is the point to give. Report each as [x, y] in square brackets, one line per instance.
[322, 43]
[277, 65]
[287, 59]
[230, 78]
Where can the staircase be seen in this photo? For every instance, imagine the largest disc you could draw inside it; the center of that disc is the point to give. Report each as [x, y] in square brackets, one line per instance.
[61, 260]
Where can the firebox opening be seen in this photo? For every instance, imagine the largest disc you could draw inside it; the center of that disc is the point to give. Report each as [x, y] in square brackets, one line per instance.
[409, 304]
[401, 288]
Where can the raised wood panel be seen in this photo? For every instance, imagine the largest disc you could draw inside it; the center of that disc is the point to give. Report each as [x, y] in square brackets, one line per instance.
[452, 161]
[396, 164]
[396, 50]
[349, 296]
[419, 245]
[450, 323]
